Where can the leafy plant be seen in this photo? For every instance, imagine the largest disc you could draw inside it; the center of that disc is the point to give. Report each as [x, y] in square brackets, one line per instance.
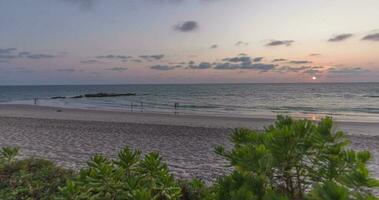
[8, 154]
[128, 177]
[29, 178]
[195, 190]
[295, 159]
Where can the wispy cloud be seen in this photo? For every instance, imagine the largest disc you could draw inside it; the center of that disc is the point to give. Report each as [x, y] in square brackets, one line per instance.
[214, 46]
[152, 57]
[244, 63]
[280, 43]
[70, 70]
[279, 60]
[24, 53]
[7, 50]
[89, 61]
[296, 62]
[7, 56]
[11, 53]
[314, 54]
[243, 59]
[117, 69]
[340, 37]
[165, 67]
[292, 69]
[187, 26]
[257, 59]
[136, 60]
[372, 37]
[241, 43]
[40, 56]
[202, 65]
[112, 56]
[347, 70]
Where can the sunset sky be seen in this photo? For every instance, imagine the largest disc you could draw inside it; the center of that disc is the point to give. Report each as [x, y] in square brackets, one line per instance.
[188, 41]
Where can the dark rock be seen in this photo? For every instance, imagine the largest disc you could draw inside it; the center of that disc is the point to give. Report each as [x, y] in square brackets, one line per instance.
[77, 97]
[58, 97]
[101, 94]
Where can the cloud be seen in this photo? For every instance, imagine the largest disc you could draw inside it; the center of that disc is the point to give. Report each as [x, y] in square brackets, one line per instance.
[241, 43]
[280, 43]
[279, 60]
[152, 57]
[20, 70]
[11, 53]
[214, 46]
[244, 62]
[111, 56]
[347, 70]
[165, 67]
[136, 60]
[296, 62]
[7, 50]
[117, 69]
[89, 61]
[186, 26]
[67, 70]
[293, 69]
[258, 59]
[238, 59]
[39, 56]
[83, 4]
[23, 53]
[243, 59]
[340, 37]
[202, 65]
[261, 67]
[225, 66]
[312, 71]
[314, 54]
[372, 37]
[7, 56]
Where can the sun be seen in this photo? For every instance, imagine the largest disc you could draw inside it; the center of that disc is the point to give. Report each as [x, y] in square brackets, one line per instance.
[314, 78]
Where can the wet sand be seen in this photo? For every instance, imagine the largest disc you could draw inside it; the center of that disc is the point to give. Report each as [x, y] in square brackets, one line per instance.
[70, 137]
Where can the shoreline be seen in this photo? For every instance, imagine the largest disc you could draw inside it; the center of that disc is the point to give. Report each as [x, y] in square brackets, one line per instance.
[180, 119]
[70, 137]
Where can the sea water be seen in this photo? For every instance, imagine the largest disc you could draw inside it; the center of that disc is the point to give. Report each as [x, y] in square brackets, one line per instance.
[343, 101]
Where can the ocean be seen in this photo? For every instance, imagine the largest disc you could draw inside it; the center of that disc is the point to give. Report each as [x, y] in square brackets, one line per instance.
[342, 101]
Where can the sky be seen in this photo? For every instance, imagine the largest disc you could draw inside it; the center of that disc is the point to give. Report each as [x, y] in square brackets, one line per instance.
[44, 42]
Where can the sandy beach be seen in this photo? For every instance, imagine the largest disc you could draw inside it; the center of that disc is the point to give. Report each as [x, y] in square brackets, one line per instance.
[70, 137]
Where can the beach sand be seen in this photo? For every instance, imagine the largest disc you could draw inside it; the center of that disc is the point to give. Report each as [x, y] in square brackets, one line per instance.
[70, 137]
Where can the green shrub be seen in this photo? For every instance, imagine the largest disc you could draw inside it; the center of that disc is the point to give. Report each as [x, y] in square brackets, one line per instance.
[290, 160]
[195, 190]
[295, 159]
[29, 178]
[129, 177]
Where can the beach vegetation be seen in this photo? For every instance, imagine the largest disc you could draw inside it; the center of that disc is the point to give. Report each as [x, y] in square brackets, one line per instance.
[295, 160]
[289, 160]
[130, 176]
[29, 178]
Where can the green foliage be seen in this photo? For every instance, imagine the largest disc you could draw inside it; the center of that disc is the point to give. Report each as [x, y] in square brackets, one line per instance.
[195, 190]
[129, 177]
[295, 159]
[29, 178]
[290, 160]
[8, 154]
